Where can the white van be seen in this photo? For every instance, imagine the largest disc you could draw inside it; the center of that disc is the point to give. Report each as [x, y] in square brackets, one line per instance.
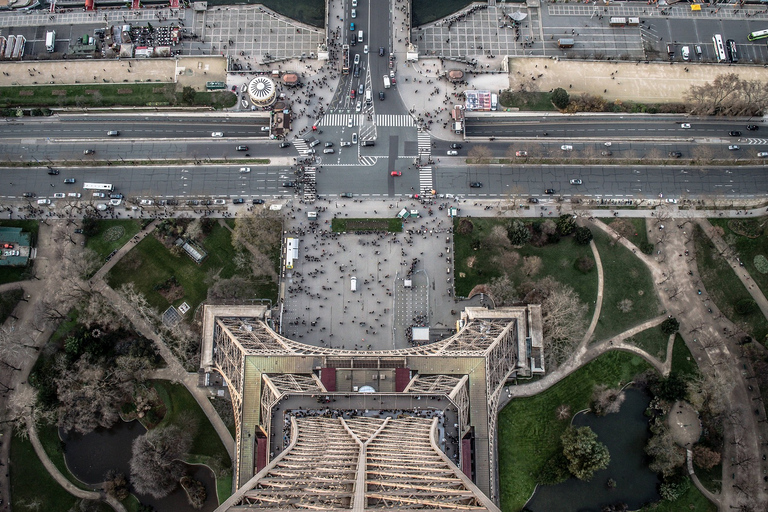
[217, 134]
[353, 284]
[360, 37]
[368, 97]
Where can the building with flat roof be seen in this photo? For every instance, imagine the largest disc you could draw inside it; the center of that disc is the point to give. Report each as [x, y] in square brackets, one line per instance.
[351, 429]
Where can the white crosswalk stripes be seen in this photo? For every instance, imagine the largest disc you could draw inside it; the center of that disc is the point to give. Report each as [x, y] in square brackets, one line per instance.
[425, 179]
[394, 120]
[425, 144]
[339, 120]
[368, 160]
[301, 146]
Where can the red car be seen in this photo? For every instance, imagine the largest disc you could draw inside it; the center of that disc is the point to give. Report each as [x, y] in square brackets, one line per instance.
[395, 173]
[352, 94]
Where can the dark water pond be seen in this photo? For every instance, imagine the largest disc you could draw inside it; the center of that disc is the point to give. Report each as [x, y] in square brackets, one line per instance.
[625, 434]
[90, 456]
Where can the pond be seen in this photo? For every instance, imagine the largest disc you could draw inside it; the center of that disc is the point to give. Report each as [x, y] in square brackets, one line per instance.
[625, 434]
[90, 456]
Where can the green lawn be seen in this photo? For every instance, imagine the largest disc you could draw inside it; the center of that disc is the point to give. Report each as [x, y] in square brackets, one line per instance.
[206, 444]
[652, 341]
[712, 478]
[625, 277]
[32, 488]
[125, 94]
[682, 361]
[725, 288]
[529, 430]
[13, 274]
[341, 225]
[747, 248]
[49, 438]
[638, 234]
[112, 235]
[691, 501]
[150, 264]
[531, 101]
[557, 261]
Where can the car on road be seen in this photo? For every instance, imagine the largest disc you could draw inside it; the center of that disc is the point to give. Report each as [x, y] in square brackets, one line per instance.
[685, 125]
[314, 143]
[381, 51]
[349, 122]
[566, 147]
[549, 191]
[354, 13]
[354, 3]
[606, 153]
[475, 184]
[284, 145]
[365, 49]
[533, 200]
[288, 184]
[345, 194]
[113, 133]
[734, 133]
[675, 154]
[310, 151]
[245, 170]
[242, 148]
[69, 181]
[396, 173]
[358, 106]
[352, 27]
[381, 95]
[32, 194]
[88, 152]
[328, 151]
[53, 172]
[752, 127]
[354, 138]
[455, 146]
[146, 202]
[328, 144]
[608, 144]
[345, 143]
[59, 195]
[238, 200]
[452, 152]
[264, 128]
[763, 154]
[258, 201]
[733, 147]
[219, 202]
[217, 134]
[76, 195]
[576, 181]
[352, 95]
[521, 153]
[116, 196]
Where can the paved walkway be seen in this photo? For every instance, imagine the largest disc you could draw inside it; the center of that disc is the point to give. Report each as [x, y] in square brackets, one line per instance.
[599, 299]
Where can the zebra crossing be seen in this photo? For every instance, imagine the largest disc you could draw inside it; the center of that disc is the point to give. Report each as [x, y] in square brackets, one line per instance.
[425, 144]
[301, 146]
[309, 181]
[425, 179]
[339, 119]
[394, 120]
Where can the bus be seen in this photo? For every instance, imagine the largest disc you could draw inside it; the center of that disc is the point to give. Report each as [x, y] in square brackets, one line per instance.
[291, 252]
[103, 187]
[760, 34]
[730, 47]
[212, 86]
[717, 40]
[345, 59]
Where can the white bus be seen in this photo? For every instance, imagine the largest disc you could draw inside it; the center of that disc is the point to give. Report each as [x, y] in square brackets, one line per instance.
[104, 187]
[291, 252]
[717, 40]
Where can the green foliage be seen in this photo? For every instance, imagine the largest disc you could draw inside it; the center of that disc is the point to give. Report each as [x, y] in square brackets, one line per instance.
[646, 247]
[671, 388]
[188, 95]
[761, 263]
[582, 235]
[584, 452]
[565, 224]
[525, 100]
[745, 306]
[585, 264]
[90, 226]
[670, 326]
[8, 302]
[560, 98]
[554, 471]
[518, 233]
[672, 488]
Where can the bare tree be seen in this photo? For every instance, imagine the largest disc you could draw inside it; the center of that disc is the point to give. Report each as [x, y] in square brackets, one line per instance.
[563, 316]
[502, 290]
[88, 396]
[155, 461]
[606, 400]
[531, 265]
[479, 155]
[497, 238]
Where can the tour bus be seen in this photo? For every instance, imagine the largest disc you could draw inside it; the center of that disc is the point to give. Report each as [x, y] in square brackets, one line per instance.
[717, 41]
[760, 34]
[565, 43]
[730, 48]
[291, 252]
[102, 187]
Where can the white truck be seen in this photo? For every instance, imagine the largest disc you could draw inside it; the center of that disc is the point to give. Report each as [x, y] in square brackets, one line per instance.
[50, 40]
[387, 83]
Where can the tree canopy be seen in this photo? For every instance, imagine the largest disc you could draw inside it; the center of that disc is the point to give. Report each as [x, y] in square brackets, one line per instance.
[584, 452]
